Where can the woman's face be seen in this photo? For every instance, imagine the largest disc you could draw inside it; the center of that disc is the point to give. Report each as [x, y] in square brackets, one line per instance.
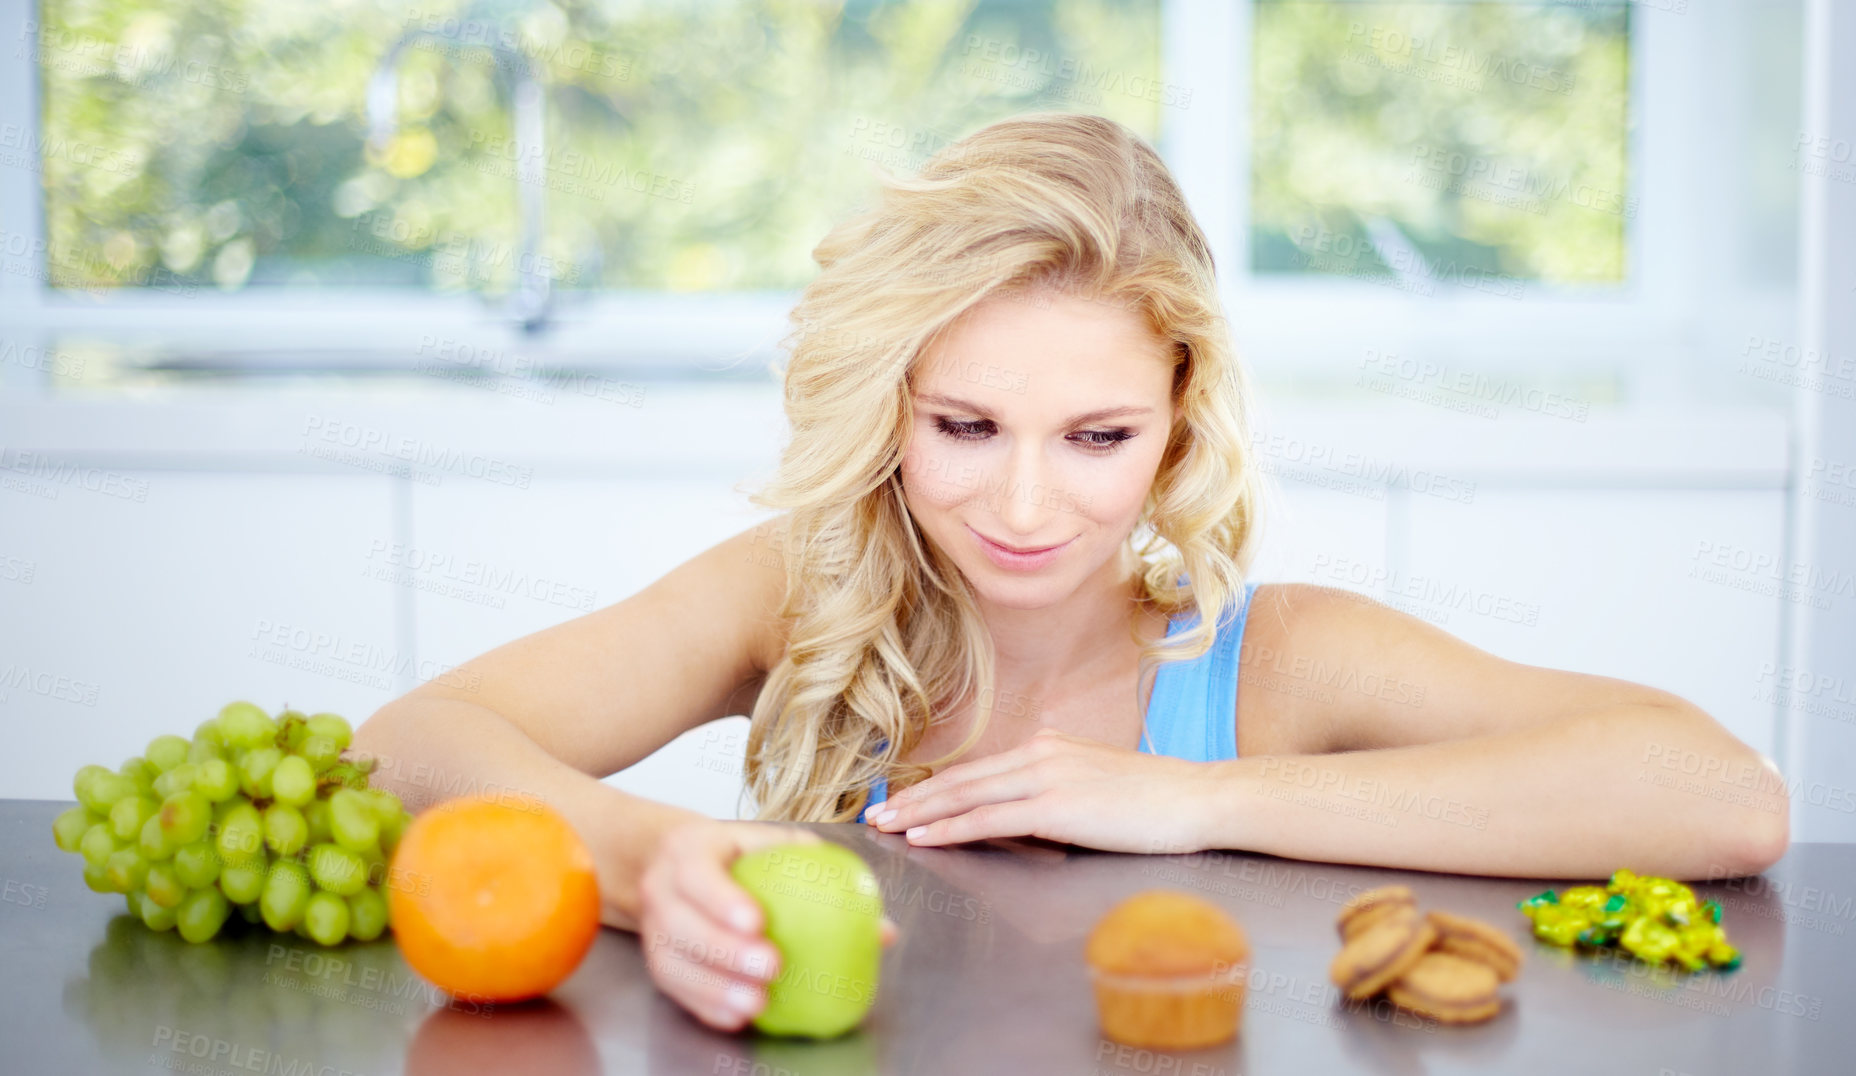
[1040, 420]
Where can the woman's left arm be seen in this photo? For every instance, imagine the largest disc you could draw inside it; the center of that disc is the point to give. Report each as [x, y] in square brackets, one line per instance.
[1401, 746]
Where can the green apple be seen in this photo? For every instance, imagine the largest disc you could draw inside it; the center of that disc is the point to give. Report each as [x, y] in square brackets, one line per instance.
[824, 914]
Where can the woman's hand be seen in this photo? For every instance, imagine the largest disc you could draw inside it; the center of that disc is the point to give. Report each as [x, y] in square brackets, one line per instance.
[1061, 788]
[702, 933]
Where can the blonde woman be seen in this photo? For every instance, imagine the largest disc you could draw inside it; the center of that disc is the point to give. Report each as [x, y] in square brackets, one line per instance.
[1020, 471]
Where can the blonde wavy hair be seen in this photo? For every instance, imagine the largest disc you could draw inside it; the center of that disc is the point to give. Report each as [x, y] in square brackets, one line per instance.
[884, 633]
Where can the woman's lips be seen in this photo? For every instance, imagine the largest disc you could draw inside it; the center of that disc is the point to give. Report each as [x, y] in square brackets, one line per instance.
[1019, 560]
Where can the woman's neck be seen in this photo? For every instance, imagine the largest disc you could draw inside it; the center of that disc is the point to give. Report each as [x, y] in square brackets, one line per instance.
[1043, 652]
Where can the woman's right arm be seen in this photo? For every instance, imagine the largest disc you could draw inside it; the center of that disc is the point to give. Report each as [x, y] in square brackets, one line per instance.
[551, 713]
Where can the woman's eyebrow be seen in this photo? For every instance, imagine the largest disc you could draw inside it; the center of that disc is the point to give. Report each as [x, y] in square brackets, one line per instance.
[1087, 416]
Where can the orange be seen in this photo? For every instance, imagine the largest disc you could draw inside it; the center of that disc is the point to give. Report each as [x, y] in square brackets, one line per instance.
[493, 900]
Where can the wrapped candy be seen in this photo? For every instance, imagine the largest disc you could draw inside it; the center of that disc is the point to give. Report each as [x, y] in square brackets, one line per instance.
[1656, 920]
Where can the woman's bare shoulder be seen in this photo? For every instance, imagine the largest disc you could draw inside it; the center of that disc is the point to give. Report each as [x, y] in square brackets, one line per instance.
[750, 566]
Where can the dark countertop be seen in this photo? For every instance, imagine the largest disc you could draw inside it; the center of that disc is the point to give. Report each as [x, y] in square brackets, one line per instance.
[988, 978]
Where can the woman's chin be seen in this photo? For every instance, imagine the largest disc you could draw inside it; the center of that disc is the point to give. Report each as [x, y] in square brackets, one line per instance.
[1011, 590]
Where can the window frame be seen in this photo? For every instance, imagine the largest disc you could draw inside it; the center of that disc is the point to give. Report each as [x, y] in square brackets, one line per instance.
[1284, 325]
[1287, 322]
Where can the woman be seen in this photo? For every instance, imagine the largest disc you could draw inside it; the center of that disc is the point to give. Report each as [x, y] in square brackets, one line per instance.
[1020, 467]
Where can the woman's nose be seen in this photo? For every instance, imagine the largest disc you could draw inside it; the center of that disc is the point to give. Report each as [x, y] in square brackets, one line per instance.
[1024, 496]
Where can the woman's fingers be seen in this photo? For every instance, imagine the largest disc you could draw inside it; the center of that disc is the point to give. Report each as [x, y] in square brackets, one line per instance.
[1041, 744]
[702, 966]
[703, 873]
[705, 947]
[1013, 784]
[687, 955]
[1015, 818]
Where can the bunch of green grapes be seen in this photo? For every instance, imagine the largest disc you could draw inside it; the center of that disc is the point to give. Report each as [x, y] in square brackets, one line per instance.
[256, 814]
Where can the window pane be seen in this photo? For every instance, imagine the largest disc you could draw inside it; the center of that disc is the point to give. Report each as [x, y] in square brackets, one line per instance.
[203, 143]
[1438, 145]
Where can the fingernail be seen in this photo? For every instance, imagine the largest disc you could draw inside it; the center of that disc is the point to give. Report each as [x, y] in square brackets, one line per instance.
[741, 918]
[743, 999]
[757, 963]
[884, 816]
[916, 831]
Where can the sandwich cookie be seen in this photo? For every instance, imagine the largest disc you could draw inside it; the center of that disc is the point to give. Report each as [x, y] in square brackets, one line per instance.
[1379, 954]
[1375, 906]
[1448, 988]
[1473, 939]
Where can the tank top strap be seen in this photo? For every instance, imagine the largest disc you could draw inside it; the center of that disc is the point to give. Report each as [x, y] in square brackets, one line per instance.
[1193, 711]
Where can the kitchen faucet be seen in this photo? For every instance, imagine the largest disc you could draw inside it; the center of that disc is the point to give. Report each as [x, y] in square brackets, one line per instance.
[530, 304]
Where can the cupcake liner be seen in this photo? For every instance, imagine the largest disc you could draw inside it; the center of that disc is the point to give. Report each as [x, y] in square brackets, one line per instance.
[1172, 1012]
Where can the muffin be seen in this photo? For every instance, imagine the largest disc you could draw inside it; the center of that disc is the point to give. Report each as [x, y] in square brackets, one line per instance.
[1169, 971]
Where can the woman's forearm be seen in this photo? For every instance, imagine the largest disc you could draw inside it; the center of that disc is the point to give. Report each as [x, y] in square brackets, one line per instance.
[432, 749]
[1658, 789]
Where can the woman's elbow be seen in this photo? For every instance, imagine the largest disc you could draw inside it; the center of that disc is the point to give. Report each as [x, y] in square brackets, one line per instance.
[1753, 838]
[1764, 835]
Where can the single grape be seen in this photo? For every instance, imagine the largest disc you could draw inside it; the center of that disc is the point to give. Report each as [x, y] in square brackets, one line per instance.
[241, 835]
[105, 789]
[255, 771]
[127, 816]
[178, 779]
[294, 781]
[393, 829]
[152, 842]
[185, 817]
[140, 770]
[317, 815]
[383, 805]
[367, 914]
[69, 827]
[243, 882]
[337, 869]
[352, 821]
[98, 844]
[292, 727]
[334, 727]
[217, 780]
[286, 893]
[249, 912]
[97, 878]
[134, 898]
[197, 865]
[163, 885]
[245, 724]
[85, 776]
[284, 829]
[166, 752]
[326, 918]
[157, 917]
[202, 914]
[204, 750]
[126, 869]
[321, 752]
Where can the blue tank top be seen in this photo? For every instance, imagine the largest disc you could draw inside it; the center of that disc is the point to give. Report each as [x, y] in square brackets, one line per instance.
[1191, 713]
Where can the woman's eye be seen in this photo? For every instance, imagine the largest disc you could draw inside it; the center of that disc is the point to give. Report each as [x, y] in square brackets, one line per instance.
[1104, 440]
[964, 431]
